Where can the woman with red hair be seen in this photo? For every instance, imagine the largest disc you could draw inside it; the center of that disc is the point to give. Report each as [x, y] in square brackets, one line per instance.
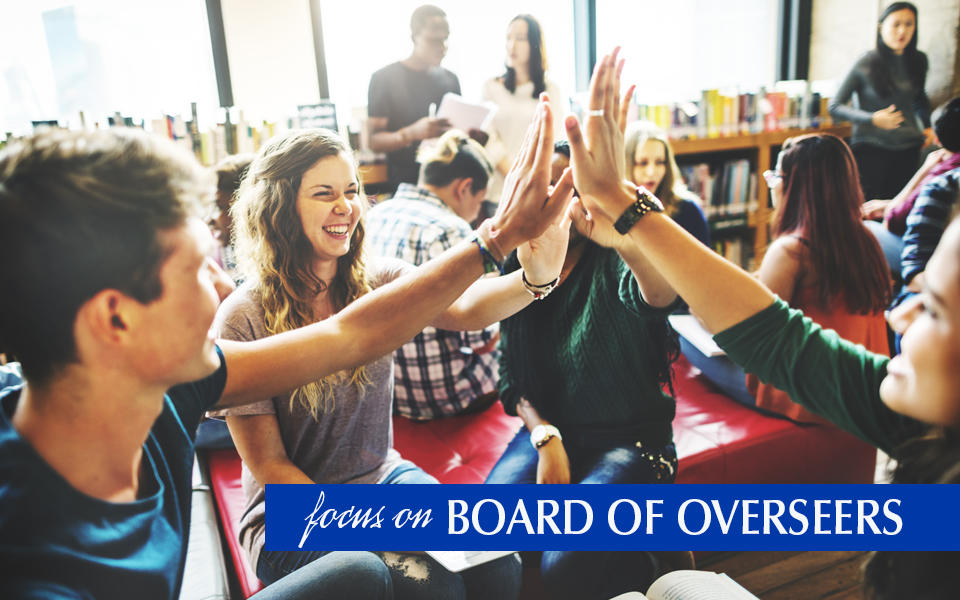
[823, 259]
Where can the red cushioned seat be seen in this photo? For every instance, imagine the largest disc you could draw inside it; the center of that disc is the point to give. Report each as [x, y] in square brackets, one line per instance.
[460, 449]
[721, 441]
[718, 441]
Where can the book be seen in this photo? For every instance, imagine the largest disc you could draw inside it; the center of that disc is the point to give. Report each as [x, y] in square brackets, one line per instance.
[692, 585]
[690, 328]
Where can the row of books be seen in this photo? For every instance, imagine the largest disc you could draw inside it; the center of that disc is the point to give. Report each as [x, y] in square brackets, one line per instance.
[721, 115]
[738, 250]
[727, 189]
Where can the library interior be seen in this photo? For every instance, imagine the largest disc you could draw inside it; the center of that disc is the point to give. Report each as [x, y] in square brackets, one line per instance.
[535, 242]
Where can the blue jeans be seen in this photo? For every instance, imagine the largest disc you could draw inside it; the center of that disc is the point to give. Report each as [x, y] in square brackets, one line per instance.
[296, 575]
[890, 243]
[579, 574]
[412, 576]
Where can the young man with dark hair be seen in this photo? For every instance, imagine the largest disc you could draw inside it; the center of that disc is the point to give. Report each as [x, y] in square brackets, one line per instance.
[109, 295]
[400, 95]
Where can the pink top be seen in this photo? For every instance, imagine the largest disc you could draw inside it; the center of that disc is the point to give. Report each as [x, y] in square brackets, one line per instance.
[897, 223]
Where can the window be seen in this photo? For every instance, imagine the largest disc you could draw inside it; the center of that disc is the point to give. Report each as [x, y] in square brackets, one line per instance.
[674, 50]
[101, 56]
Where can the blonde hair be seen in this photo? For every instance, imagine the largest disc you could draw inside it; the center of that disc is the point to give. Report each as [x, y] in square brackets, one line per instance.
[455, 156]
[672, 189]
[273, 251]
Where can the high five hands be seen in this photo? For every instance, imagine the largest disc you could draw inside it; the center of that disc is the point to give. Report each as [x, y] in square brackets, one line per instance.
[597, 155]
[528, 208]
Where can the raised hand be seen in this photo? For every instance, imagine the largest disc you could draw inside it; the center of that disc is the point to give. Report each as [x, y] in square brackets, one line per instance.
[598, 158]
[542, 257]
[596, 226]
[527, 207]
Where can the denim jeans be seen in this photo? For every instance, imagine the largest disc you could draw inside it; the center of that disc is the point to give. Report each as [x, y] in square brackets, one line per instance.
[412, 576]
[890, 243]
[296, 575]
[583, 575]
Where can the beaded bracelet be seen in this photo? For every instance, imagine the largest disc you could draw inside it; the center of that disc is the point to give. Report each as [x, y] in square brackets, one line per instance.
[539, 292]
[490, 264]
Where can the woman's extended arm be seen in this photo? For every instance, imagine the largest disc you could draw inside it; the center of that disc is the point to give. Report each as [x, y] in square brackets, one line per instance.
[258, 441]
[720, 293]
[490, 300]
[382, 320]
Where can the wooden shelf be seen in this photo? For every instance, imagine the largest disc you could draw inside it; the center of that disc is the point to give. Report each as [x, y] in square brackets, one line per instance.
[760, 146]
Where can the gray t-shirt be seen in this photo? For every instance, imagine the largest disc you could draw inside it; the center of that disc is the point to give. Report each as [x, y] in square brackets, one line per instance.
[350, 443]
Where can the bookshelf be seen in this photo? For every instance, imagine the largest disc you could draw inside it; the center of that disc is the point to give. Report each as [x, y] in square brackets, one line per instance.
[759, 148]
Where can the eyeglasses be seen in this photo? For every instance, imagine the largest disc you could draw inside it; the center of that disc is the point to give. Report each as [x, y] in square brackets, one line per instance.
[773, 178]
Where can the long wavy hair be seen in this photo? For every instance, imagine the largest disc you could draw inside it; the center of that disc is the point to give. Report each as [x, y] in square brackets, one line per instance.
[538, 58]
[672, 189]
[821, 206]
[879, 59]
[273, 251]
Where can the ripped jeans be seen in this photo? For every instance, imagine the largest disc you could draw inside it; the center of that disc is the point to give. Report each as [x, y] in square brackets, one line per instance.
[413, 576]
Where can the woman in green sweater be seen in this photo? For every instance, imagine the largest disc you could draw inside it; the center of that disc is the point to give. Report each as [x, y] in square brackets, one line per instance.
[585, 369]
[908, 406]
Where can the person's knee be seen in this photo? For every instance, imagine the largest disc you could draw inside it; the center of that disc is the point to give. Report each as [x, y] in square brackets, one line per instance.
[500, 578]
[422, 577]
[563, 575]
[371, 575]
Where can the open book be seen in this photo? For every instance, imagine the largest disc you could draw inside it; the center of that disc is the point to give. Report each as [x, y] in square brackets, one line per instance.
[692, 585]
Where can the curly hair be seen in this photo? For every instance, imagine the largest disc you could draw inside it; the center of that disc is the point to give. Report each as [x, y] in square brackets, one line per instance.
[274, 252]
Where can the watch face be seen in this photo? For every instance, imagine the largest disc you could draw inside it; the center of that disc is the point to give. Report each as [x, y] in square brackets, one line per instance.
[539, 432]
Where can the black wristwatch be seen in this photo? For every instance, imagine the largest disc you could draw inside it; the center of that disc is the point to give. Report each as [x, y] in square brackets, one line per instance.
[646, 202]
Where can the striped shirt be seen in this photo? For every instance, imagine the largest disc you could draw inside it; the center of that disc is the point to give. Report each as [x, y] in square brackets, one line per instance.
[926, 222]
[439, 373]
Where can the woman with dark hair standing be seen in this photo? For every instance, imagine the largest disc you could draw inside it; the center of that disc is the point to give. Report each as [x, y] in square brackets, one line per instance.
[817, 203]
[891, 118]
[516, 93]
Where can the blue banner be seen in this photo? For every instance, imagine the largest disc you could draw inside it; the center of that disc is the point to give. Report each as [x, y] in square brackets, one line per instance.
[612, 517]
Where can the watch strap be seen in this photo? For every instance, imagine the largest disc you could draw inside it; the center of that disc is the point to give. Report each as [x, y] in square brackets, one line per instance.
[646, 203]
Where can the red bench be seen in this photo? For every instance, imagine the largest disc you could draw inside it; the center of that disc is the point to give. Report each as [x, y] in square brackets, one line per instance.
[718, 441]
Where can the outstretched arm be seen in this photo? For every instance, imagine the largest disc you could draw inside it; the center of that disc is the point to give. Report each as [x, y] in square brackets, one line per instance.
[381, 321]
[720, 293]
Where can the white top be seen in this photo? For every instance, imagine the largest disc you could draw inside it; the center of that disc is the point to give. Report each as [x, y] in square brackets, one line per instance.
[514, 113]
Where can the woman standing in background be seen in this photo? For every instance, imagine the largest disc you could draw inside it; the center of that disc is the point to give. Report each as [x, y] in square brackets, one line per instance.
[516, 93]
[891, 118]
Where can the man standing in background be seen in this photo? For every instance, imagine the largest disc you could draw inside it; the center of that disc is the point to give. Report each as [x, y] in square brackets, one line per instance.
[401, 94]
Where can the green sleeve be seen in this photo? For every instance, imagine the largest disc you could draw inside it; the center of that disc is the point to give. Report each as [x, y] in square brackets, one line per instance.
[826, 374]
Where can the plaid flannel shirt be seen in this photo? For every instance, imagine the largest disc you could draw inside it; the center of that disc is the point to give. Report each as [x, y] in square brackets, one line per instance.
[439, 373]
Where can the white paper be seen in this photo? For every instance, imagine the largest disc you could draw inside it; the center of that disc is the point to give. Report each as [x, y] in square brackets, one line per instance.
[690, 328]
[465, 115]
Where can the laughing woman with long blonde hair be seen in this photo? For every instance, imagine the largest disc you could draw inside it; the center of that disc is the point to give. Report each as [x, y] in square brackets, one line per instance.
[300, 245]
